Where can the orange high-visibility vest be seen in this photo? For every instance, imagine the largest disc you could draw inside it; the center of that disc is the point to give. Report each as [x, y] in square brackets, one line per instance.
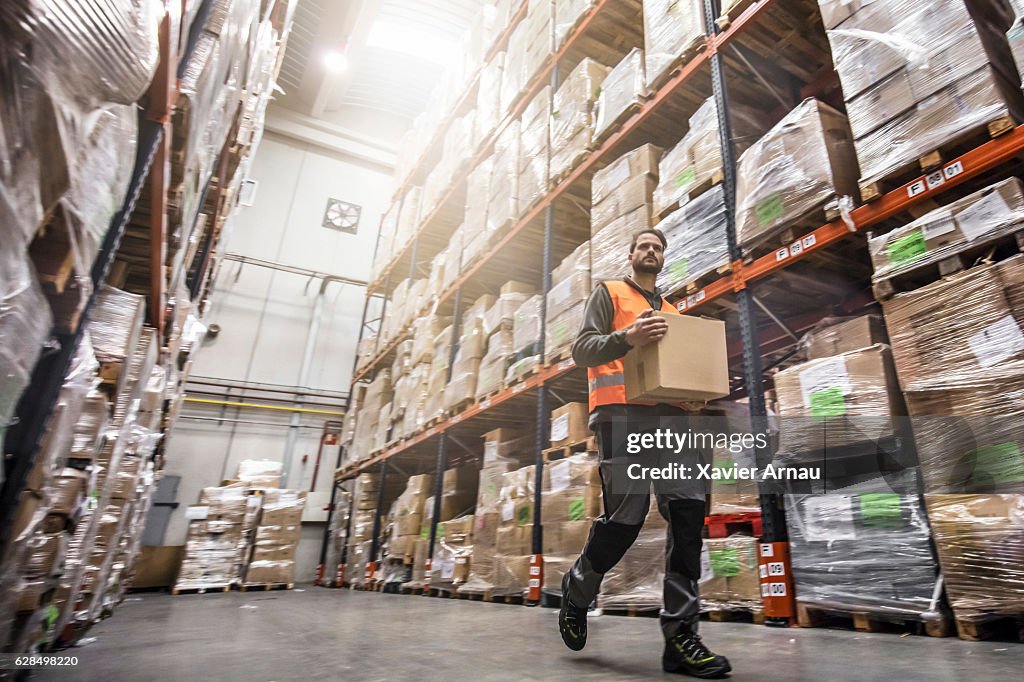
[607, 382]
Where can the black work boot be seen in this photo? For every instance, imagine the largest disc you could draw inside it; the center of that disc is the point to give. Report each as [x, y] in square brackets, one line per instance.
[686, 654]
[572, 620]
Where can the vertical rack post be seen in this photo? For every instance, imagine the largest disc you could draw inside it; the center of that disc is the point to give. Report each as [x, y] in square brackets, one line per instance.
[435, 514]
[772, 544]
[537, 559]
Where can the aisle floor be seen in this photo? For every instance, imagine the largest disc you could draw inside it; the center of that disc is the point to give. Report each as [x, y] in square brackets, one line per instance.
[320, 634]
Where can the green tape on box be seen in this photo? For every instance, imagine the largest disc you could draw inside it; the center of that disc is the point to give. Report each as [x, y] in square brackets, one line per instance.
[726, 465]
[577, 508]
[769, 210]
[907, 249]
[881, 509]
[560, 332]
[1002, 463]
[680, 269]
[828, 402]
[686, 177]
[524, 515]
[725, 563]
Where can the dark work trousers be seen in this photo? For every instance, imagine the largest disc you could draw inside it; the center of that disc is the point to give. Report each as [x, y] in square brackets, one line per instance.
[625, 508]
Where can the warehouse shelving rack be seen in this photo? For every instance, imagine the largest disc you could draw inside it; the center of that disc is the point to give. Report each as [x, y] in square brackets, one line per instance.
[703, 75]
[152, 166]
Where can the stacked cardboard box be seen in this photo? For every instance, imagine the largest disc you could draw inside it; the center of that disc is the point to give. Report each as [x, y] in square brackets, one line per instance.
[365, 495]
[498, 325]
[672, 29]
[260, 473]
[623, 89]
[475, 235]
[453, 549]
[567, 15]
[697, 244]
[572, 116]
[408, 515]
[732, 583]
[539, 36]
[472, 346]
[570, 500]
[730, 495]
[216, 544]
[804, 162]
[503, 202]
[488, 101]
[570, 288]
[980, 217]
[534, 150]
[622, 206]
[916, 78]
[636, 581]
[865, 548]
[277, 537]
[513, 75]
[378, 395]
[525, 338]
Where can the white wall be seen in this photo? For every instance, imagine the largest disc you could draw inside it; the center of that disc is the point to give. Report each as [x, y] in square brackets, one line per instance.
[265, 316]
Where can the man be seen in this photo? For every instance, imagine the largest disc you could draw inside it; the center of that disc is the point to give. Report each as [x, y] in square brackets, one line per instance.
[619, 317]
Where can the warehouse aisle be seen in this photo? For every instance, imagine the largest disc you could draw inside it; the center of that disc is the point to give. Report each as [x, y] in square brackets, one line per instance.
[320, 634]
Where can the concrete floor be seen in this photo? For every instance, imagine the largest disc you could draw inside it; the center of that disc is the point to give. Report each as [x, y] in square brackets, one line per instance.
[321, 634]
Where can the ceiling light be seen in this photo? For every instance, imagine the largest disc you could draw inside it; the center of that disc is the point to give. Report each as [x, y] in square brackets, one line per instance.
[335, 60]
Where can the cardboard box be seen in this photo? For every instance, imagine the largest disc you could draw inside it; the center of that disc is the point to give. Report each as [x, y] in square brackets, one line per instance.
[642, 161]
[569, 424]
[689, 363]
[609, 247]
[734, 581]
[572, 473]
[512, 572]
[459, 532]
[576, 504]
[408, 524]
[849, 335]
[459, 479]
[157, 566]
[634, 193]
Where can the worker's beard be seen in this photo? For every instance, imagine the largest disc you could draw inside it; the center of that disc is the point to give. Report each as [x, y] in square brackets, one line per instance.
[647, 267]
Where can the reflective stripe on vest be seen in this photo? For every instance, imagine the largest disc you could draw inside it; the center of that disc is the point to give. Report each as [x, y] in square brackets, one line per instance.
[607, 382]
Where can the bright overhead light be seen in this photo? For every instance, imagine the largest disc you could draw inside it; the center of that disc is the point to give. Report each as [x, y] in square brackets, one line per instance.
[335, 60]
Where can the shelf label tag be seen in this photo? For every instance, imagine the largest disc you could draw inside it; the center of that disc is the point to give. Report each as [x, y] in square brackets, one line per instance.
[520, 387]
[935, 179]
[566, 364]
[767, 550]
[777, 589]
[796, 247]
[681, 306]
[776, 568]
[809, 241]
[782, 254]
[954, 169]
[484, 404]
[916, 188]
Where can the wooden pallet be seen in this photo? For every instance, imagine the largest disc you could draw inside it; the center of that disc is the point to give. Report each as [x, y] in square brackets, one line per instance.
[735, 616]
[617, 122]
[787, 234]
[588, 444]
[996, 248]
[200, 590]
[724, 525]
[491, 597]
[866, 621]
[560, 356]
[460, 407]
[700, 282]
[411, 589]
[696, 46]
[998, 627]
[873, 188]
[265, 587]
[695, 191]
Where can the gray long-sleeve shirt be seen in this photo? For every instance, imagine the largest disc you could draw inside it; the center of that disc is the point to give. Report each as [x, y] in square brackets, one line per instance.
[598, 344]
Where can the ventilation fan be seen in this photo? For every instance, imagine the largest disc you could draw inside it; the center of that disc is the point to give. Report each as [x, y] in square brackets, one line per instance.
[341, 215]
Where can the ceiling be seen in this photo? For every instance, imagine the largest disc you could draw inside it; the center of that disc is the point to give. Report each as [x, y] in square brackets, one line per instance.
[392, 47]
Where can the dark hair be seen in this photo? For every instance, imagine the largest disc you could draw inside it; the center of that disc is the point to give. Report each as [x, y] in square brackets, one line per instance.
[650, 230]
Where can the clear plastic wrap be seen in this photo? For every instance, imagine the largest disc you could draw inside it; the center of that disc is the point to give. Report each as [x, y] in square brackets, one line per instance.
[526, 325]
[424, 331]
[980, 543]
[624, 88]
[409, 216]
[732, 495]
[215, 535]
[572, 123]
[695, 160]
[696, 240]
[491, 373]
[837, 335]
[540, 36]
[503, 188]
[570, 499]
[488, 99]
[959, 354]
[802, 163]
[624, 186]
[567, 15]
[733, 583]
[570, 282]
[478, 186]
[561, 332]
[502, 314]
[260, 473]
[276, 539]
[914, 80]
[609, 246]
[115, 324]
[837, 401]
[534, 149]
[866, 550]
[513, 72]
[452, 551]
[671, 29]
[982, 216]
[637, 580]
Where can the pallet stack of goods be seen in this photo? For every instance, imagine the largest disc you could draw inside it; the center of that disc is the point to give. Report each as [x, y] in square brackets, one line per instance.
[406, 520]
[566, 301]
[622, 205]
[731, 585]
[364, 502]
[636, 583]
[570, 500]
[272, 561]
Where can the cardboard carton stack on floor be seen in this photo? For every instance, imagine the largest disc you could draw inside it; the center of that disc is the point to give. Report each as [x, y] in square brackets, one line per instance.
[570, 288]
[408, 514]
[572, 122]
[636, 581]
[803, 163]
[958, 347]
[216, 545]
[570, 500]
[277, 537]
[916, 78]
[732, 582]
[453, 549]
[621, 195]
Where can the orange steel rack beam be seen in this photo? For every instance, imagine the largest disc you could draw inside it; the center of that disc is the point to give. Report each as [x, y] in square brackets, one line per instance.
[955, 172]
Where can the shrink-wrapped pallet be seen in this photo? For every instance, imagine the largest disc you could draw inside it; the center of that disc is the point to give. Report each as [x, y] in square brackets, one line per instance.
[696, 239]
[572, 116]
[672, 28]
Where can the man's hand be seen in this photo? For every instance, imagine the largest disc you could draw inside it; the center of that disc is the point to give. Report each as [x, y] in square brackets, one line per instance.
[648, 328]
